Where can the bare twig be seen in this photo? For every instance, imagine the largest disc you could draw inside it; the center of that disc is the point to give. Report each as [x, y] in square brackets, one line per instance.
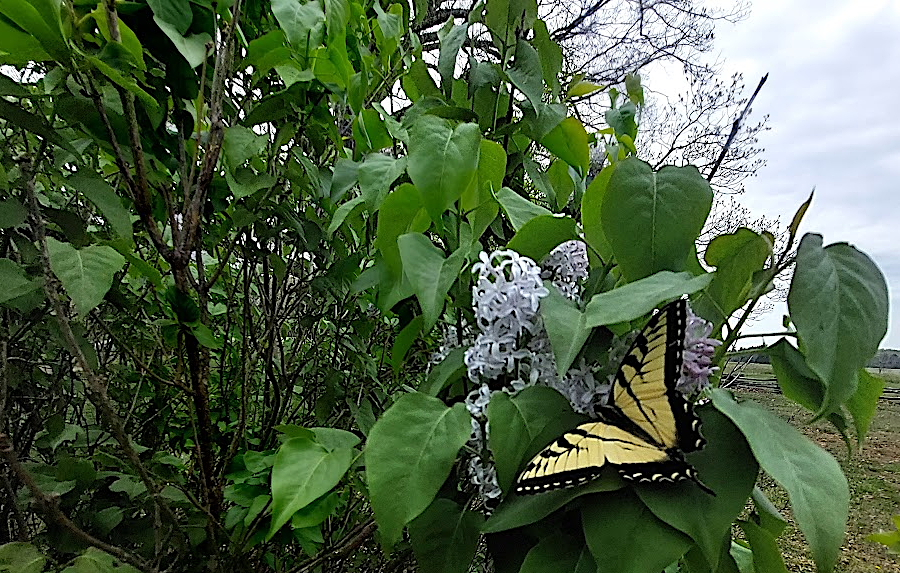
[735, 128]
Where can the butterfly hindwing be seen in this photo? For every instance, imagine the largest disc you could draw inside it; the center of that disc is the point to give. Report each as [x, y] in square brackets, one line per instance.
[650, 424]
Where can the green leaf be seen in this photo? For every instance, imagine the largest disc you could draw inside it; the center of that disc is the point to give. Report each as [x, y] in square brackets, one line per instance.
[444, 373]
[569, 142]
[838, 302]
[451, 38]
[611, 539]
[622, 121]
[41, 20]
[192, 47]
[522, 425]
[337, 16]
[430, 274]
[518, 209]
[565, 326]
[396, 215]
[705, 518]
[101, 194]
[769, 516]
[561, 180]
[94, 560]
[86, 274]
[636, 299]
[478, 200]
[798, 218]
[376, 175]
[890, 539]
[12, 214]
[813, 479]
[559, 553]
[442, 161]
[652, 219]
[540, 235]
[526, 73]
[304, 471]
[316, 512]
[591, 204]
[20, 557]
[15, 282]
[766, 554]
[347, 209]
[369, 131]
[520, 510]
[35, 124]
[303, 23]
[551, 56]
[176, 13]
[633, 89]
[445, 536]
[18, 48]
[244, 182]
[404, 341]
[418, 83]
[240, 144]
[206, 337]
[409, 454]
[504, 18]
[736, 256]
[863, 403]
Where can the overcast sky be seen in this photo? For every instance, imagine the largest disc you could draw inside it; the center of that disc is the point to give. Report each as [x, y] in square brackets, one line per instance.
[832, 96]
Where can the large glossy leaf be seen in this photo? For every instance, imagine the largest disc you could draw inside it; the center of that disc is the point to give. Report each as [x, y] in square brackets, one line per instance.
[477, 202]
[429, 272]
[736, 257]
[518, 209]
[101, 194]
[505, 17]
[192, 47]
[559, 553]
[303, 23]
[839, 303]
[376, 175]
[569, 142]
[451, 37]
[442, 161]
[18, 48]
[41, 20]
[444, 537]
[625, 537]
[397, 213]
[727, 466]
[811, 476]
[526, 73]
[523, 424]
[565, 326]
[304, 470]
[540, 235]
[86, 274]
[636, 299]
[652, 219]
[409, 454]
[176, 13]
[520, 510]
[766, 553]
[591, 204]
[20, 557]
[240, 144]
[551, 56]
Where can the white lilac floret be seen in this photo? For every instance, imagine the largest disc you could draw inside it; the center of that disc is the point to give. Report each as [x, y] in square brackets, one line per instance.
[567, 267]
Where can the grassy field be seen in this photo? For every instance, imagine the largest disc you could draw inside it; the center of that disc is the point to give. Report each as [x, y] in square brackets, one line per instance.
[873, 474]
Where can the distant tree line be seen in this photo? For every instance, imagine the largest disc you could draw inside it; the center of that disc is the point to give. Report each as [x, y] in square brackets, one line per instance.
[884, 358]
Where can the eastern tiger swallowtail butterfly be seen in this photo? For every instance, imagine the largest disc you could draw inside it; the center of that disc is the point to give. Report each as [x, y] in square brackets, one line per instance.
[648, 427]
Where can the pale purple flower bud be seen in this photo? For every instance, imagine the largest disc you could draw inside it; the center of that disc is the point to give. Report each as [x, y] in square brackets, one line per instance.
[699, 349]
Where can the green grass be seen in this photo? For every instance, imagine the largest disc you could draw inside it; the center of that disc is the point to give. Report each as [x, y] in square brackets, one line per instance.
[873, 474]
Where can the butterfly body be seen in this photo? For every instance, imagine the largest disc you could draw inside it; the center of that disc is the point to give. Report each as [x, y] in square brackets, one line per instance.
[647, 427]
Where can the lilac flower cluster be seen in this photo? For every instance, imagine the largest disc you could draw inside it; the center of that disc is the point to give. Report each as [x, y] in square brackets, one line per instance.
[699, 348]
[567, 267]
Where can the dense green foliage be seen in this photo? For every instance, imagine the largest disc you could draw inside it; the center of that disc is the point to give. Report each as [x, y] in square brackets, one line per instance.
[224, 260]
